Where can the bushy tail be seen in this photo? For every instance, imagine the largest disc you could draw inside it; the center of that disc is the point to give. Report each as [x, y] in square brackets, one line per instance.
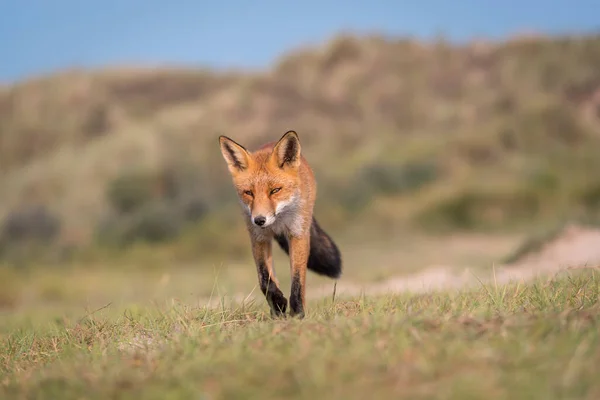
[325, 258]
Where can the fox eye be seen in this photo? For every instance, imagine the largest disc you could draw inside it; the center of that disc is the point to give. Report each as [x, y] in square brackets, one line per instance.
[248, 192]
[275, 190]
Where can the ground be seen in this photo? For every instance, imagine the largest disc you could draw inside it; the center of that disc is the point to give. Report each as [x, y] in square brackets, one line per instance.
[426, 335]
[574, 247]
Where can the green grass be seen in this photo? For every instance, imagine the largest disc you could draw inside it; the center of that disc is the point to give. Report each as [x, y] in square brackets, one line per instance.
[537, 341]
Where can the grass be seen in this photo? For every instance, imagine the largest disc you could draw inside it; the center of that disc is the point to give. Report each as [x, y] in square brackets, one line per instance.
[147, 275]
[539, 340]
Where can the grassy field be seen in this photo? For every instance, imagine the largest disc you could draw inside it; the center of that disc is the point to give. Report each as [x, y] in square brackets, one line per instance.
[535, 341]
[146, 275]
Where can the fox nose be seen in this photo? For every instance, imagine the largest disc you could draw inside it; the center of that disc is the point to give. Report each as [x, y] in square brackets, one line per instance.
[260, 220]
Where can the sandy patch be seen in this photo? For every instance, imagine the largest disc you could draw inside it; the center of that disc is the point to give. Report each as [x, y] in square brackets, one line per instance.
[574, 247]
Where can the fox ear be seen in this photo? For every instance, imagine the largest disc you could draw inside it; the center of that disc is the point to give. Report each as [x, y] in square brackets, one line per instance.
[235, 154]
[287, 150]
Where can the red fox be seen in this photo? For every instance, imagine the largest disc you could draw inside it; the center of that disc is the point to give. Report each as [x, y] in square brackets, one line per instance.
[277, 192]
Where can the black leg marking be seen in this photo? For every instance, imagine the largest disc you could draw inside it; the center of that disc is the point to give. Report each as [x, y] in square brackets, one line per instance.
[297, 309]
[275, 298]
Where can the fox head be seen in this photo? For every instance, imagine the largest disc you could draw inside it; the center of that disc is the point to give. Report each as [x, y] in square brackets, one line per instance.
[267, 180]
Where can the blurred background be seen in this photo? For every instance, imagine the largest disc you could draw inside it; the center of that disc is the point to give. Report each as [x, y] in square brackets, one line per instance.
[447, 134]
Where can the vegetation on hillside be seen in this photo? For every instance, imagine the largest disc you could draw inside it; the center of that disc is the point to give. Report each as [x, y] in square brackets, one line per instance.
[401, 133]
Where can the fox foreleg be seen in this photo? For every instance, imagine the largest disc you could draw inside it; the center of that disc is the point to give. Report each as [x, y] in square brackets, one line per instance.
[299, 252]
[266, 278]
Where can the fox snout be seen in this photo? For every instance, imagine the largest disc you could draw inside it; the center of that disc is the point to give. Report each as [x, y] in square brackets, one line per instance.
[262, 220]
[259, 220]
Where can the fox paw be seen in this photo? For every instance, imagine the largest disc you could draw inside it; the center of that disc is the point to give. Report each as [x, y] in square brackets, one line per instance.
[278, 305]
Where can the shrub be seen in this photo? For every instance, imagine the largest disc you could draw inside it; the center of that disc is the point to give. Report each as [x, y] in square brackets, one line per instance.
[538, 130]
[590, 198]
[131, 191]
[474, 209]
[153, 223]
[33, 223]
[384, 179]
[193, 208]
[151, 206]
[394, 179]
[28, 233]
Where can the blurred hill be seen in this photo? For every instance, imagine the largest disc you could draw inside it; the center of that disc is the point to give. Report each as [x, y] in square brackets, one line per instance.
[400, 133]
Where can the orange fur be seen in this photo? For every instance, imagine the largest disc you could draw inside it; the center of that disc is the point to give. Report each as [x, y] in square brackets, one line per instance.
[277, 190]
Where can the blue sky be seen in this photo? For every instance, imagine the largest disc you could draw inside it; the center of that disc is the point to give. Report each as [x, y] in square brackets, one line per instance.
[40, 36]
